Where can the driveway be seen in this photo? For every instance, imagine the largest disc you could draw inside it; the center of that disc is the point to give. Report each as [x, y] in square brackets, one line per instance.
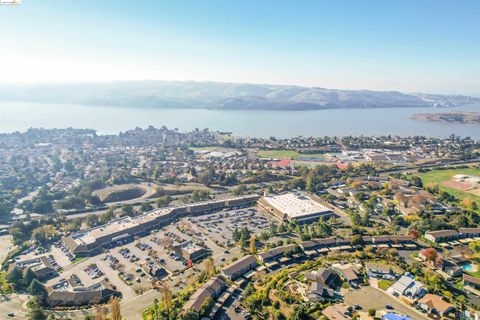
[369, 297]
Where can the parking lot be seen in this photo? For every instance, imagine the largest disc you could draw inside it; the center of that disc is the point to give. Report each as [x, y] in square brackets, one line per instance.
[126, 264]
[122, 264]
[219, 226]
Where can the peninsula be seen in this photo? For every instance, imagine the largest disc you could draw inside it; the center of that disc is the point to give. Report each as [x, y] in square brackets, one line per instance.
[452, 117]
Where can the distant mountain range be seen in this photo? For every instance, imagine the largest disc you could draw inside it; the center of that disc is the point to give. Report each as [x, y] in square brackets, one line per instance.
[216, 95]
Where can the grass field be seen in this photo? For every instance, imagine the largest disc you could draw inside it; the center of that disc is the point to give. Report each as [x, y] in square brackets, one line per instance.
[278, 154]
[439, 176]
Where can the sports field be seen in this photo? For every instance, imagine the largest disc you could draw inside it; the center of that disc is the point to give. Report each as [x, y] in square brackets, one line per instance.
[287, 154]
[446, 182]
[277, 154]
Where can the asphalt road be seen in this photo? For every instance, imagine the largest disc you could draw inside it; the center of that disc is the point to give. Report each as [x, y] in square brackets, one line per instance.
[227, 312]
[12, 303]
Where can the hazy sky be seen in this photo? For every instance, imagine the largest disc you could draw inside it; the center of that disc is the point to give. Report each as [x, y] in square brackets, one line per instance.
[417, 45]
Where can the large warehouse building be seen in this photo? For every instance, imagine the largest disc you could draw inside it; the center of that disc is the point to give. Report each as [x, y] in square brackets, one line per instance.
[124, 229]
[294, 206]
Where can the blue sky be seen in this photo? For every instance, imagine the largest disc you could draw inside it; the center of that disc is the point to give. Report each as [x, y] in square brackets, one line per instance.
[417, 45]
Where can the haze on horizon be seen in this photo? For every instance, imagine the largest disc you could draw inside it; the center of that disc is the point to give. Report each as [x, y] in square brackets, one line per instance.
[410, 46]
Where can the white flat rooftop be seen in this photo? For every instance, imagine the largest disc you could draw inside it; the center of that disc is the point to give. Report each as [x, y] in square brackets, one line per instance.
[295, 204]
[118, 225]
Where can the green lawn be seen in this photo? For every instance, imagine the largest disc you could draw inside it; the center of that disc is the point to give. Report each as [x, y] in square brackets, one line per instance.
[278, 154]
[384, 284]
[287, 154]
[77, 260]
[475, 274]
[438, 176]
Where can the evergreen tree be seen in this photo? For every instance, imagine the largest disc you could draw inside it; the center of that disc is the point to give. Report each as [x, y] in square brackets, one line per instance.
[36, 288]
[14, 276]
[28, 276]
[36, 312]
[236, 234]
[242, 243]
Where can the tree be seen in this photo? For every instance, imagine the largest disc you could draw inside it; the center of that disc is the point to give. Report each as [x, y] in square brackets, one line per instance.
[273, 228]
[167, 242]
[155, 309]
[28, 276]
[474, 246]
[36, 312]
[146, 207]
[430, 254]
[101, 313]
[190, 315]
[236, 234]
[242, 242]
[469, 204]
[206, 306]
[299, 231]
[114, 305]
[209, 268]
[14, 276]
[164, 201]
[264, 236]
[167, 299]
[92, 220]
[300, 313]
[279, 315]
[253, 247]
[127, 209]
[356, 240]
[44, 233]
[241, 189]
[366, 219]
[36, 288]
[372, 312]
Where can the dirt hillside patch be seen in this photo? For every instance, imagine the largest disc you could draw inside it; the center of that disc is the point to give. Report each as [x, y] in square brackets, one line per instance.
[120, 192]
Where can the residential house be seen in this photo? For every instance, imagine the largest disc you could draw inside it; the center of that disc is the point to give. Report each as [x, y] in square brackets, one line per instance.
[324, 276]
[275, 253]
[240, 267]
[442, 235]
[318, 292]
[380, 271]
[212, 289]
[471, 284]
[349, 273]
[469, 232]
[408, 287]
[434, 304]
[451, 267]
